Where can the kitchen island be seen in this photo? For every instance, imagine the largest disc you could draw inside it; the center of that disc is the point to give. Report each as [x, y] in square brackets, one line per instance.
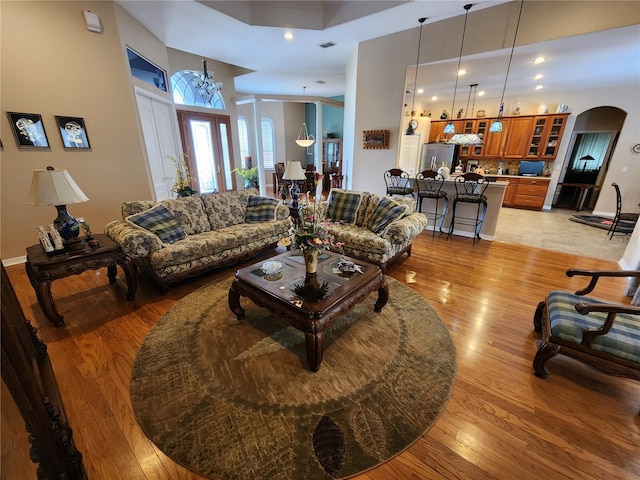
[495, 195]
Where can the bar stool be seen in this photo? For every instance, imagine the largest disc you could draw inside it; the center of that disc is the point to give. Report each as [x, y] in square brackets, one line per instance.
[429, 184]
[470, 188]
[398, 182]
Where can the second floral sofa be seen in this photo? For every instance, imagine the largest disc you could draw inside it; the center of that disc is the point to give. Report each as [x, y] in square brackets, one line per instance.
[374, 228]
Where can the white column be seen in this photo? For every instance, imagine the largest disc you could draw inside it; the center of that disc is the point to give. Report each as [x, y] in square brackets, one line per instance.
[257, 129]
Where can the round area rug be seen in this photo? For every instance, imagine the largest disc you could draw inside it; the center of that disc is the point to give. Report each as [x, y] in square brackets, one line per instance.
[236, 400]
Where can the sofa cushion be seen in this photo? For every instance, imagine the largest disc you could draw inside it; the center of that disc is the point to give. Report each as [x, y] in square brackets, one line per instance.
[343, 205]
[226, 209]
[160, 221]
[386, 212]
[260, 209]
[136, 206]
[189, 211]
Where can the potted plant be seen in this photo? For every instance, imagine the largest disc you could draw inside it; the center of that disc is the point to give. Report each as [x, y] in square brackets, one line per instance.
[249, 176]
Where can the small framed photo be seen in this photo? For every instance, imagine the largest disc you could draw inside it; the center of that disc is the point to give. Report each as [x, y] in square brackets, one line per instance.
[73, 132]
[28, 130]
[375, 139]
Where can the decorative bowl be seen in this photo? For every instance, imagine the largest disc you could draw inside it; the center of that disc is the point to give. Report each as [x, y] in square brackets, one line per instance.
[272, 270]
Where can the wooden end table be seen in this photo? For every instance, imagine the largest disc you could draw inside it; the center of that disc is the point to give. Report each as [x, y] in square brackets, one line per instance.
[312, 318]
[43, 269]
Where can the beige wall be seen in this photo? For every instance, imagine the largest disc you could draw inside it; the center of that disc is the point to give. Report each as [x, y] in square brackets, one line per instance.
[52, 65]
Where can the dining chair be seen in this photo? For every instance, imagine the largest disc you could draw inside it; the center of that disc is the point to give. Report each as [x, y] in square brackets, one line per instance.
[628, 218]
[429, 185]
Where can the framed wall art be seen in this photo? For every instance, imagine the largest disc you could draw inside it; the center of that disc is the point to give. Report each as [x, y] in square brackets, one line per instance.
[28, 130]
[375, 139]
[73, 132]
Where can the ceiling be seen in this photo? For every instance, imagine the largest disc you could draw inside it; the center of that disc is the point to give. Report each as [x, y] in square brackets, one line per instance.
[249, 34]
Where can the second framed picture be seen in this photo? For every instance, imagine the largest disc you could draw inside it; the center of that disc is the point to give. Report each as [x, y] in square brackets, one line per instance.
[73, 132]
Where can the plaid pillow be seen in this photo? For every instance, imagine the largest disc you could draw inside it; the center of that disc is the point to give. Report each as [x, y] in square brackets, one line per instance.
[160, 221]
[343, 205]
[386, 212]
[260, 209]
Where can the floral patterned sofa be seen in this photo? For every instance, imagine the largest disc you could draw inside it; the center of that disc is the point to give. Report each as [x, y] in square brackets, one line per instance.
[179, 238]
[374, 228]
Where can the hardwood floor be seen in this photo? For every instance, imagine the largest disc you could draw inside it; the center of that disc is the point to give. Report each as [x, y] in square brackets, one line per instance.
[502, 422]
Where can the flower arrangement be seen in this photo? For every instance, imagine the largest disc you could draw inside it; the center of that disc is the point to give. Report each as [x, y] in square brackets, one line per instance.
[183, 181]
[311, 233]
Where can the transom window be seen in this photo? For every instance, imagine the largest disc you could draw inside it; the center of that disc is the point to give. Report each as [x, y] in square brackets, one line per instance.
[185, 91]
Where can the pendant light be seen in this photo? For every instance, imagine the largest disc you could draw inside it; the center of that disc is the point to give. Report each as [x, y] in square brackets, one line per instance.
[304, 139]
[449, 128]
[411, 127]
[497, 125]
[468, 138]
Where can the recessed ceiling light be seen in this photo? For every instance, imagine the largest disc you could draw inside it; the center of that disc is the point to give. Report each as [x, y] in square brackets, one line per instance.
[539, 60]
[462, 71]
[539, 87]
[420, 90]
[434, 98]
[288, 35]
[538, 76]
[481, 93]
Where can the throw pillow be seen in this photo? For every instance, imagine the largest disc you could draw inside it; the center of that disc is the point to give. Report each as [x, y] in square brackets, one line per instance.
[160, 221]
[386, 212]
[343, 206]
[260, 209]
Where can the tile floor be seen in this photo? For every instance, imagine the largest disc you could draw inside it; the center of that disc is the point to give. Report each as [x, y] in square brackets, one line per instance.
[552, 230]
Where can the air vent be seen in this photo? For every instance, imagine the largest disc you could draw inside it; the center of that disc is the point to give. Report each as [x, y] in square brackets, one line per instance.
[320, 82]
[328, 44]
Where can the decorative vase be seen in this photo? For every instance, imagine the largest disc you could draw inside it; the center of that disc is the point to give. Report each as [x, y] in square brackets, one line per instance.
[444, 171]
[310, 260]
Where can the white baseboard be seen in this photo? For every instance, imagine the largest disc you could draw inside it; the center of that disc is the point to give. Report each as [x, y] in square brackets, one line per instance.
[14, 261]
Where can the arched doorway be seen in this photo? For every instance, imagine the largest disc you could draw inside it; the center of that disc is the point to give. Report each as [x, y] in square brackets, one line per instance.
[593, 141]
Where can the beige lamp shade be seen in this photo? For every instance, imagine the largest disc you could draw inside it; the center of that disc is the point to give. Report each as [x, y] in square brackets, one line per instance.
[54, 187]
[294, 171]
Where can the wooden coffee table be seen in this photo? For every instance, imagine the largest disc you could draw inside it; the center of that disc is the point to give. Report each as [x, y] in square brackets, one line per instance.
[312, 318]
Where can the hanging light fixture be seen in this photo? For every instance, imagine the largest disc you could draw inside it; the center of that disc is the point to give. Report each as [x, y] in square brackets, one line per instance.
[497, 125]
[412, 123]
[449, 128]
[206, 86]
[304, 139]
[468, 138]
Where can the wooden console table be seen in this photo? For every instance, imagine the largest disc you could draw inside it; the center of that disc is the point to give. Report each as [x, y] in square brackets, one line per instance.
[583, 190]
[42, 270]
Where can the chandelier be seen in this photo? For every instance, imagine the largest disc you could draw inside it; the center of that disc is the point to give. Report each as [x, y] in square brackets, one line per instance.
[304, 139]
[205, 86]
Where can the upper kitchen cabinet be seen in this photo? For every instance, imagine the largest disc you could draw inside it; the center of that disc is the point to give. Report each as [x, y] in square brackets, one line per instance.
[546, 136]
[518, 136]
[480, 127]
[436, 133]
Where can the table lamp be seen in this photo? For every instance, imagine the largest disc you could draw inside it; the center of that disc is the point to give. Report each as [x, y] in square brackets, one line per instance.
[294, 172]
[57, 188]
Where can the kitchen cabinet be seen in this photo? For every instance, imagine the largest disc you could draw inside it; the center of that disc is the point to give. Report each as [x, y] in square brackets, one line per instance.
[517, 138]
[530, 193]
[510, 192]
[480, 127]
[546, 136]
[494, 141]
[436, 131]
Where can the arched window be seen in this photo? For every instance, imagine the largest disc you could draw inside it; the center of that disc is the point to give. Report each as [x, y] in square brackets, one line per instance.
[268, 143]
[185, 91]
[243, 137]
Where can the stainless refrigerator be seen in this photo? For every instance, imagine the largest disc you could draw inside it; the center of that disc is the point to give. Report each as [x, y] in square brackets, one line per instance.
[440, 152]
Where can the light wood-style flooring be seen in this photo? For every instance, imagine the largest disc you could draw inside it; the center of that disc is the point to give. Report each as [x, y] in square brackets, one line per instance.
[502, 422]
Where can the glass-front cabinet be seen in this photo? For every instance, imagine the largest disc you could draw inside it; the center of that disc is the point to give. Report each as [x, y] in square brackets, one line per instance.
[480, 128]
[546, 136]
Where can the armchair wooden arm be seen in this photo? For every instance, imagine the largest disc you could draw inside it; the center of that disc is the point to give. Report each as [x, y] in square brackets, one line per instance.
[611, 309]
[596, 274]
